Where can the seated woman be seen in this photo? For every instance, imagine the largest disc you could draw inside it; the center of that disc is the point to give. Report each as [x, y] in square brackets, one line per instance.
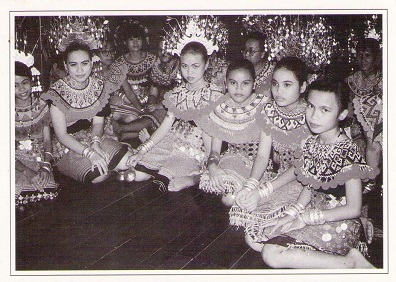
[79, 107]
[34, 180]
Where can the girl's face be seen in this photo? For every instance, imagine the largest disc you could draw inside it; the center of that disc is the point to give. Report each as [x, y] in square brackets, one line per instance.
[134, 44]
[323, 112]
[193, 68]
[366, 60]
[253, 51]
[165, 57]
[79, 65]
[286, 88]
[23, 88]
[106, 54]
[240, 85]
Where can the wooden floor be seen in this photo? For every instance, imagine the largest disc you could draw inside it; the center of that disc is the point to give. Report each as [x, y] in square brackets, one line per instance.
[133, 226]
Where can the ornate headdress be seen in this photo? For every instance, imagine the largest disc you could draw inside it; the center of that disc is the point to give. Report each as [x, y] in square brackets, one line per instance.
[86, 29]
[372, 29]
[21, 55]
[309, 38]
[207, 30]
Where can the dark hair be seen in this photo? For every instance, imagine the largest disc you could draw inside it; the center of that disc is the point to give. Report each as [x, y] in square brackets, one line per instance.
[241, 64]
[22, 70]
[135, 31]
[295, 65]
[369, 43]
[260, 37]
[338, 87]
[76, 46]
[194, 47]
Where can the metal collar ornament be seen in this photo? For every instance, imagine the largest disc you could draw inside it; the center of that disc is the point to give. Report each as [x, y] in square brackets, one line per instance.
[207, 30]
[28, 60]
[86, 29]
[309, 38]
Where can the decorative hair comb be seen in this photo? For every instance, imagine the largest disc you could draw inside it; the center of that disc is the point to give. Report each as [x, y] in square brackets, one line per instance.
[86, 29]
[309, 38]
[207, 30]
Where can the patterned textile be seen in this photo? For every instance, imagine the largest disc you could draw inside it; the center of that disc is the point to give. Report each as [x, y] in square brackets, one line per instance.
[287, 131]
[29, 149]
[367, 103]
[262, 83]
[78, 104]
[164, 77]
[329, 165]
[326, 169]
[181, 151]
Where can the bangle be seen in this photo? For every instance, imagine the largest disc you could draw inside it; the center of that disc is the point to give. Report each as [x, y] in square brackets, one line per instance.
[251, 184]
[50, 154]
[85, 151]
[88, 152]
[146, 146]
[266, 190]
[46, 168]
[294, 210]
[314, 217]
[95, 139]
[214, 158]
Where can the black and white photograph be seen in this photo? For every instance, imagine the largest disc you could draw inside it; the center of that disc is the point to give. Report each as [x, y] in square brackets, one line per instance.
[150, 143]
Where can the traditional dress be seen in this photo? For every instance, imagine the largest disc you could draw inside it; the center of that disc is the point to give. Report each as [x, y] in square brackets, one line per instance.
[262, 82]
[287, 130]
[366, 94]
[137, 76]
[237, 125]
[29, 124]
[79, 107]
[325, 168]
[181, 151]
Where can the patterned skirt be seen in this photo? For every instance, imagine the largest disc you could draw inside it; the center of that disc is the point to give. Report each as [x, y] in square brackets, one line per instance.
[268, 210]
[179, 153]
[336, 237]
[78, 167]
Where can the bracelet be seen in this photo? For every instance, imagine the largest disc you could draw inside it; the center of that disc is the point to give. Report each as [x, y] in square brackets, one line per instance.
[88, 152]
[214, 158]
[46, 168]
[294, 210]
[95, 139]
[251, 184]
[266, 190]
[146, 146]
[50, 154]
[314, 217]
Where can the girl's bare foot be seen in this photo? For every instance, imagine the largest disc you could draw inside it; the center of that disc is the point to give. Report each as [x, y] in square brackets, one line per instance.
[180, 183]
[144, 135]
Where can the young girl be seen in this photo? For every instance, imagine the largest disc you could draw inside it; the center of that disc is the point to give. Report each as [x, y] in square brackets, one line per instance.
[176, 149]
[283, 129]
[233, 121]
[322, 229]
[79, 107]
[34, 180]
[131, 73]
[162, 79]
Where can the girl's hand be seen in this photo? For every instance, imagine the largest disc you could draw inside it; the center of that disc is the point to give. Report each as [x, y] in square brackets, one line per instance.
[96, 146]
[216, 175]
[248, 199]
[100, 162]
[279, 225]
[134, 159]
[44, 177]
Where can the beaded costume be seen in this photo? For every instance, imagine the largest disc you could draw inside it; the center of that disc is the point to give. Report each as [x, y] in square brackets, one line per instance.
[237, 125]
[262, 82]
[287, 130]
[79, 107]
[137, 76]
[325, 168]
[181, 151]
[367, 105]
[29, 123]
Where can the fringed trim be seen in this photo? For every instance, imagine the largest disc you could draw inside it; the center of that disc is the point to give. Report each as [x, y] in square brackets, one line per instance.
[33, 198]
[299, 247]
[363, 248]
[358, 105]
[242, 217]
